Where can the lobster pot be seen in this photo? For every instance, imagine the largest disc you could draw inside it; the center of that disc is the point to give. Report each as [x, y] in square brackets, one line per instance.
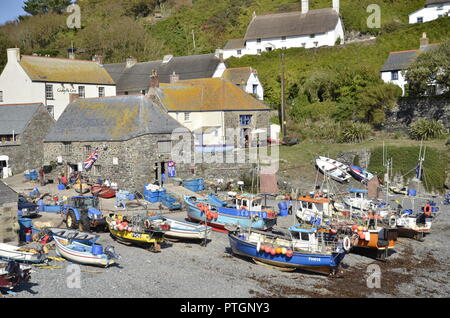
[152, 196]
[32, 175]
[412, 193]
[161, 194]
[283, 208]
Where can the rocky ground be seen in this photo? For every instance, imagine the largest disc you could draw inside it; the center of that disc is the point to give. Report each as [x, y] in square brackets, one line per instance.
[189, 270]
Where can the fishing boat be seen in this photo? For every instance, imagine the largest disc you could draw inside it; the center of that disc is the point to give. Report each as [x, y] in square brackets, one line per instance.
[336, 170]
[302, 249]
[357, 199]
[74, 235]
[360, 174]
[247, 210]
[81, 188]
[314, 208]
[92, 254]
[13, 274]
[21, 254]
[187, 230]
[138, 230]
[103, 191]
[416, 225]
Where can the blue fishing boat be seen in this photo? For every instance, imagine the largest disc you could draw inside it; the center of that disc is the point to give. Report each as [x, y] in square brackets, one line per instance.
[305, 249]
[360, 174]
[248, 211]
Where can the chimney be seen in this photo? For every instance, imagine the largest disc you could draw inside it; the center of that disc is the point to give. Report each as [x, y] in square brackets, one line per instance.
[336, 5]
[98, 59]
[305, 6]
[13, 55]
[174, 78]
[73, 97]
[424, 41]
[71, 52]
[131, 61]
[154, 79]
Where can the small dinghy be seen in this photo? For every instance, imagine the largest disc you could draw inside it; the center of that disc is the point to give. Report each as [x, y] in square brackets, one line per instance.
[13, 274]
[21, 254]
[85, 254]
[103, 191]
[335, 169]
[74, 235]
[187, 230]
[360, 174]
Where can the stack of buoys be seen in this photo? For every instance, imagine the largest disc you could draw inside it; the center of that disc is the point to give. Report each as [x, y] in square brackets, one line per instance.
[275, 251]
[120, 225]
[360, 230]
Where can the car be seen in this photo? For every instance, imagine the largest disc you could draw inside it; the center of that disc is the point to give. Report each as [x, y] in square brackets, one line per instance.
[27, 208]
[82, 213]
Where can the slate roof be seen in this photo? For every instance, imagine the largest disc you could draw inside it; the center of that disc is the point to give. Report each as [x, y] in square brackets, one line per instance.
[137, 77]
[210, 94]
[292, 24]
[7, 195]
[398, 61]
[237, 76]
[16, 117]
[46, 69]
[235, 44]
[116, 118]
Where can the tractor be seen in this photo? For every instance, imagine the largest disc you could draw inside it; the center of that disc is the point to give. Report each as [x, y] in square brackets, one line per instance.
[82, 213]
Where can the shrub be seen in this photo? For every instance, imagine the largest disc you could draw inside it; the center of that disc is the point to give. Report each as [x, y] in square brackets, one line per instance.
[356, 132]
[424, 129]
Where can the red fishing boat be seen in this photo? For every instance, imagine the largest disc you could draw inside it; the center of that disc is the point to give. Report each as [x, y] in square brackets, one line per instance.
[103, 191]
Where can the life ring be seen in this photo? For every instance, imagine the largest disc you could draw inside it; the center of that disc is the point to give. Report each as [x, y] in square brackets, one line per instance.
[243, 208]
[392, 221]
[347, 244]
[427, 209]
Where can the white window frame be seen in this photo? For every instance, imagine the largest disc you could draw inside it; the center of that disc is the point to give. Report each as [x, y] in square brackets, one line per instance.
[1, 96]
[80, 90]
[101, 91]
[49, 92]
[187, 117]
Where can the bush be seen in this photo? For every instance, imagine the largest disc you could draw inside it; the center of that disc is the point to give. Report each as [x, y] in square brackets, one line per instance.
[425, 129]
[356, 132]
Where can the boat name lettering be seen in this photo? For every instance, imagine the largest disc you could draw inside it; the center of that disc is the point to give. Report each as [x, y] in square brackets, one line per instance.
[314, 259]
[136, 235]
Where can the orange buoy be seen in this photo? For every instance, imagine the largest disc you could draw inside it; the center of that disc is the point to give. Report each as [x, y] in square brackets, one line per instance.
[272, 251]
[289, 253]
[278, 250]
[362, 236]
[267, 249]
[354, 228]
[427, 209]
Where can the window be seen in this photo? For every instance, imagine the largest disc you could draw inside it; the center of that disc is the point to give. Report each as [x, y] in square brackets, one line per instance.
[283, 48]
[245, 120]
[143, 92]
[255, 89]
[81, 91]
[126, 93]
[187, 116]
[316, 44]
[1, 96]
[394, 75]
[259, 51]
[101, 92]
[87, 150]
[303, 44]
[68, 147]
[268, 49]
[49, 91]
[312, 36]
[239, 52]
[440, 7]
[51, 110]
[283, 38]
[420, 20]
[258, 40]
[164, 146]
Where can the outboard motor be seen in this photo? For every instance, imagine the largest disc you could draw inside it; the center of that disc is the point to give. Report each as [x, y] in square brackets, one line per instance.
[13, 269]
[111, 253]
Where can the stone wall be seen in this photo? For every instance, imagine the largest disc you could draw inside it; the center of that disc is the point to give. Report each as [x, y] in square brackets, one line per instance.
[27, 152]
[8, 215]
[409, 109]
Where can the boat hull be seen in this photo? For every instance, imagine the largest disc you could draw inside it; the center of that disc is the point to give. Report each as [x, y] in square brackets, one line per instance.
[12, 253]
[318, 263]
[9, 281]
[187, 230]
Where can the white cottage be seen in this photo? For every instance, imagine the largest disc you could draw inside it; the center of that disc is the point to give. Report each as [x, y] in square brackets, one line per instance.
[394, 69]
[305, 28]
[52, 81]
[433, 10]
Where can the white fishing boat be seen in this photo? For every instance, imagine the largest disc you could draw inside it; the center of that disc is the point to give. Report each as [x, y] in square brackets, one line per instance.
[20, 254]
[336, 170]
[85, 254]
[187, 230]
[357, 200]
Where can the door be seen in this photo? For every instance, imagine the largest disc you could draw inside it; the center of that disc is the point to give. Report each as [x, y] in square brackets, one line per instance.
[4, 168]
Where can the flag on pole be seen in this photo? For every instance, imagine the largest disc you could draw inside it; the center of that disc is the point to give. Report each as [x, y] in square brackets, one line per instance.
[418, 171]
[89, 162]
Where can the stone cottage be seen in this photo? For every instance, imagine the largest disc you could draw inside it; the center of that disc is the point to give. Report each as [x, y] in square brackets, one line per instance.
[132, 135]
[23, 128]
[8, 214]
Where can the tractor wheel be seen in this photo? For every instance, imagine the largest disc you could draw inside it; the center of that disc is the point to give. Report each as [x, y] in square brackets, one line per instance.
[71, 220]
[85, 224]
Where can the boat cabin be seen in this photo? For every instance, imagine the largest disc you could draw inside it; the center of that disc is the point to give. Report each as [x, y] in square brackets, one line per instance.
[313, 206]
[248, 202]
[309, 239]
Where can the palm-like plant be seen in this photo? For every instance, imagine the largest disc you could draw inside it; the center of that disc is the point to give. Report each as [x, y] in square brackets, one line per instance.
[425, 129]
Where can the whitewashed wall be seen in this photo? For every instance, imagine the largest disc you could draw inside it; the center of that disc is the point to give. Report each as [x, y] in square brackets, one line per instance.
[430, 13]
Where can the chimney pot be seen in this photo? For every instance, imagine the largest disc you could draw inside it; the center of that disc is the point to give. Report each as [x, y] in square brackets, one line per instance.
[305, 6]
[131, 61]
[174, 78]
[154, 79]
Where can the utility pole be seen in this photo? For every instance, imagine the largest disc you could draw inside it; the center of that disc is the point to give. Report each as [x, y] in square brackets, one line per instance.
[283, 106]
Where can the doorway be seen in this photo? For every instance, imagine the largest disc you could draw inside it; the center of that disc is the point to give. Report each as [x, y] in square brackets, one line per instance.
[160, 172]
[4, 167]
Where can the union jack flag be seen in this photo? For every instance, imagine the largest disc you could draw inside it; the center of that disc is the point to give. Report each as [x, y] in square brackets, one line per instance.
[89, 162]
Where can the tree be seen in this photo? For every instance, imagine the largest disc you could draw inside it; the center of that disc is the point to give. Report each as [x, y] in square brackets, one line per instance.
[35, 7]
[430, 68]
